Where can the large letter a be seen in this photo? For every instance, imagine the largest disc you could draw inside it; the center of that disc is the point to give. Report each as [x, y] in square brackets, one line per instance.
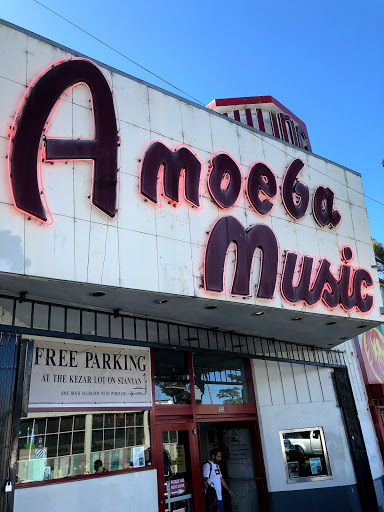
[29, 124]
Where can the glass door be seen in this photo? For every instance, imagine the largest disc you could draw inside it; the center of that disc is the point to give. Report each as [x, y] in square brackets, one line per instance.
[240, 466]
[179, 479]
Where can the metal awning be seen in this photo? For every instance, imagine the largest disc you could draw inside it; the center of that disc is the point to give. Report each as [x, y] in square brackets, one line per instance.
[42, 318]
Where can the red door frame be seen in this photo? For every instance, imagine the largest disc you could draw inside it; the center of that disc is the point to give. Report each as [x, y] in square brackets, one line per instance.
[174, 417]
[194, 456]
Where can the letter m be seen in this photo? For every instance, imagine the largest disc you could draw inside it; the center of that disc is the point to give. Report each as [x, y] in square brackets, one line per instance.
[173, 164]
[228, 230]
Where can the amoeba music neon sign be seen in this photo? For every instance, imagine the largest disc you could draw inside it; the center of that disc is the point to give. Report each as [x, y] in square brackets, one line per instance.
[160, 165]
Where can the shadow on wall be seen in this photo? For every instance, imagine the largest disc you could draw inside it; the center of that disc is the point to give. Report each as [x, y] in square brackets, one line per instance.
[11, 253]
[379, 488]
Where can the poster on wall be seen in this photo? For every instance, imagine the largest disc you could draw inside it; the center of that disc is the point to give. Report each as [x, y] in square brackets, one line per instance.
[293, 469]
[180, 459]
[371, 344]
[316, 466]
[138, 457]
[83, 376]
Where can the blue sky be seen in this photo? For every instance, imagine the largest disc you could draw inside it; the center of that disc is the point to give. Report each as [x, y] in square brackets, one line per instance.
[322, 60]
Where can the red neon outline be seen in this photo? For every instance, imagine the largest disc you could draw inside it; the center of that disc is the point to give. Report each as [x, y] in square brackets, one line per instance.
[225, 182]
[296, 200]
[160, 178]
[363, 295]
[343, 258]
[251, 278]
[262, 191]
[313, 281]
[242, 180]
[329, 225]
[301, 181]
[41, 151]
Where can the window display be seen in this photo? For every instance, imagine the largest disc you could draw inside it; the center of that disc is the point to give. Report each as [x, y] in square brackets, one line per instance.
[71, 445]
[305, 454]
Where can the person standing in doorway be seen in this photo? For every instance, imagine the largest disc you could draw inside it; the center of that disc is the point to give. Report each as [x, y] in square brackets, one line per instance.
[214, 479]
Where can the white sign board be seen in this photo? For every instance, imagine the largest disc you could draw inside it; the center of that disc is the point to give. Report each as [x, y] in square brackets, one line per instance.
[83, 376]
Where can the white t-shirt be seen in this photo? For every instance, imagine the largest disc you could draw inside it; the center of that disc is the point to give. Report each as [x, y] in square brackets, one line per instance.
[215, 479]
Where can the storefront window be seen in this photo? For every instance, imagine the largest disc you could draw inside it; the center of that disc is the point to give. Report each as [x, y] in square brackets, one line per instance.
[172, 384]
[65, 446]
[305, 454]
[220, 380]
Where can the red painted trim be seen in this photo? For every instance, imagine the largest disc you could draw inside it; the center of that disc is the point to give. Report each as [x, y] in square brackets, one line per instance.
[229, 410]
[284, 119]
[253, 100]
[153, 379]
[81, 409]
[69, 479]
[248, 115]
[184, 410]
[194, 460]
[225, 418]
[260, 119]
[275, 125]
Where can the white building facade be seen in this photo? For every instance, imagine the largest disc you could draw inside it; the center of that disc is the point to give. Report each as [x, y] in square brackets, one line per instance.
[184, 282]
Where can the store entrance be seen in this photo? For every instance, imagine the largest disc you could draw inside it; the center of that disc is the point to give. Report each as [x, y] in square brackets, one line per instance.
[235, 440]
[204, 401]
[179, 477]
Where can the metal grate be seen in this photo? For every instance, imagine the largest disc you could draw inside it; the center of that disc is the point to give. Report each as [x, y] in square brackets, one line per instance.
[15, 364]
[25, 316]
[9, 351]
